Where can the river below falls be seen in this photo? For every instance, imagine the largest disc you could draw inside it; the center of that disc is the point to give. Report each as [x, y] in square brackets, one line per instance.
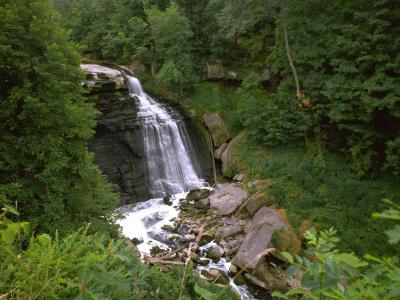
[144, 223]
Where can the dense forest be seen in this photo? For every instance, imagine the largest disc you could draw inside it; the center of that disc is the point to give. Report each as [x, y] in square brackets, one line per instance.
[314, 86]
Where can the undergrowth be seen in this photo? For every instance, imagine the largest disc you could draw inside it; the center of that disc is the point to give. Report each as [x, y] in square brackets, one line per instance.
[83, 266]
[314, 185]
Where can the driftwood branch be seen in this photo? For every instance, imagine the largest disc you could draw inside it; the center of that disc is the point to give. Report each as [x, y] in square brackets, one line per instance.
[155, 260]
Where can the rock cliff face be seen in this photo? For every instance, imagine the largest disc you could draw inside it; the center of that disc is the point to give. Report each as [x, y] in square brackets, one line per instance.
[118, 146]
[118, 141]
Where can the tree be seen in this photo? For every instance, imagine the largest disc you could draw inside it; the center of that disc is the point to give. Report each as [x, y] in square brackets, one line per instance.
[171, 34]
[45, 123]
[346, 55]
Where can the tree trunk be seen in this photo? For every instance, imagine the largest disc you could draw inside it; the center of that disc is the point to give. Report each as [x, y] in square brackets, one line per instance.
[296, 77]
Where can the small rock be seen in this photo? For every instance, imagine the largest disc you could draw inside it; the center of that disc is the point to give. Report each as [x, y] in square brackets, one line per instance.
[233, 243]
[195, 247]
[223, 243]
[195, 258]
[214, 272]
[233, 269]
[215, 252]
[232, 251]
[167, 199]
[239, 177]
[190, 237]
[136, 241]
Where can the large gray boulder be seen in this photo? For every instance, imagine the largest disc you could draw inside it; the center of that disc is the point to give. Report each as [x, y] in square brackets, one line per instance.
[258, 238]
[219, 132]
[226, 198]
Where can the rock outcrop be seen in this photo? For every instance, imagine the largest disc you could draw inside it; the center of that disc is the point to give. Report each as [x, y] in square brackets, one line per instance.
[118, 141]
[258, 238]
[219, 132]
[228, 157]
[226, 198]
[102, 79]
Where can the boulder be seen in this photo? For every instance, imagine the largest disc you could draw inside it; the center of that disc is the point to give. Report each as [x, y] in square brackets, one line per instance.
[215, 72]
[285, 240]
[215, 252]
[229, 158]
[226, 198]
[218, 152]
[227, 231]
[256, 201]
[219, 132]
[258, 238]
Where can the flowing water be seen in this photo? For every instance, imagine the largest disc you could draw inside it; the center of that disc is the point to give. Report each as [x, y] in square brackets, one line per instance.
[169, 171]
[169, 167]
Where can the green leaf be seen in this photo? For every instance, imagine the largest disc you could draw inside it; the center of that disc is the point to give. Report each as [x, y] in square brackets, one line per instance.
[280, 295]
[291, 270]
[394, 235]
[25, 226]
[297, 291]
[10, 209]
[350, 260]
[8, 235]
[288, 257]
[205, 294]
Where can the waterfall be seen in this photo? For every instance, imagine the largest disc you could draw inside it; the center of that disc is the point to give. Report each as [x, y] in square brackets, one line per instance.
[169, 167]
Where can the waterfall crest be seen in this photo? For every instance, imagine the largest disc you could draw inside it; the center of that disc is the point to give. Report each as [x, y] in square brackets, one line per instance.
[169, 167]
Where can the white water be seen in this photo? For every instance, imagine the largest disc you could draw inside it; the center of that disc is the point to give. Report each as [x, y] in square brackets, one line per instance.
[169, 170]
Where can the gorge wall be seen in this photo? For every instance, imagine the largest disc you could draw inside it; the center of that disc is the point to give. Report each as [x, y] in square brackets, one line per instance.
[118, 141]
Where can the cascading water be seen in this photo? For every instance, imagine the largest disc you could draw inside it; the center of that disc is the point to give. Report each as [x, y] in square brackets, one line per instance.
[169, 168]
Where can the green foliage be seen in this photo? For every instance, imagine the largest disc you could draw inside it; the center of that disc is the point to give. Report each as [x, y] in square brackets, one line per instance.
[84, 266]
[347, 61]
[319, 187]
[171, 33]
[45, 123]
[329, 274]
